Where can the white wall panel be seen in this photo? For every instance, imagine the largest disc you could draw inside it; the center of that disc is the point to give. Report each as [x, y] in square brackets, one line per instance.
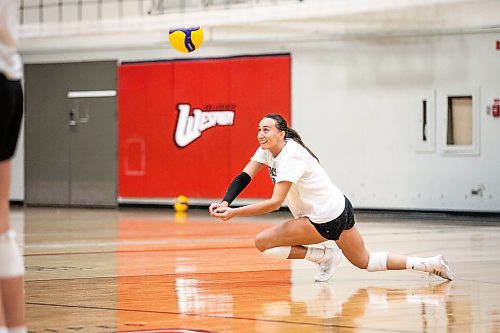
[363, 95]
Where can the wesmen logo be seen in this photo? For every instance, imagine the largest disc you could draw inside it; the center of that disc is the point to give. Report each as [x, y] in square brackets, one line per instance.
[189, 127]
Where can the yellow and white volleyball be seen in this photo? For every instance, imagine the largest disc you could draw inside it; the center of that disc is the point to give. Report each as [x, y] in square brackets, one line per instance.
[186, 40]
[181, 203]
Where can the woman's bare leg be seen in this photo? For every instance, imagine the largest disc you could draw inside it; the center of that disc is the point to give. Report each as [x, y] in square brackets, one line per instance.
[299, 232]
[352, 245]
[287, 240]
[11, 286]
[294, 233]
[354, 249]
[4, 195]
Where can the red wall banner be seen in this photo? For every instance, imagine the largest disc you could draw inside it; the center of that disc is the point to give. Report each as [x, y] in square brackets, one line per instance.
[189, 126]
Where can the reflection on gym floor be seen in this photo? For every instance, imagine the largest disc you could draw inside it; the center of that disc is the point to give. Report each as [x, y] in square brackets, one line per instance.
[143, 270]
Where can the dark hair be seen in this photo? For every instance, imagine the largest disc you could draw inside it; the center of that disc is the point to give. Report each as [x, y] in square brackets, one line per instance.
[289, 132]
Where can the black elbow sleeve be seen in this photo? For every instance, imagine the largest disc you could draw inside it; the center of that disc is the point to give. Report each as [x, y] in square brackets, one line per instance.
[237, 185]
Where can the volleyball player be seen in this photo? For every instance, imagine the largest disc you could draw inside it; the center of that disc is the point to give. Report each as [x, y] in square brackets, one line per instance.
[12, 312]
[321, 211]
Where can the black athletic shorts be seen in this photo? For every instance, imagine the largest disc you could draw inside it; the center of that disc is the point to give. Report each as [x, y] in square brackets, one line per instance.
[332, 230]
[11, 113]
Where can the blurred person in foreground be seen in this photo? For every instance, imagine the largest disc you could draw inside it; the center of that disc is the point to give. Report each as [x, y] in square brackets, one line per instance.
[12, 309]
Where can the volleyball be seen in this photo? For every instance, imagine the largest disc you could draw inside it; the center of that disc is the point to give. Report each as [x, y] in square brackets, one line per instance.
[181, 203]
[186, 40]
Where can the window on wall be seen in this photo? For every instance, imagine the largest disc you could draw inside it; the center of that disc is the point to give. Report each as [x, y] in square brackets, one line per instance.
[460, 121]
[461, 113]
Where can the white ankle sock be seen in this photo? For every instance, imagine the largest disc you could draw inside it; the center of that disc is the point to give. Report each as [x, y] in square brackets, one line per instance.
[314, 254]
[417, 264]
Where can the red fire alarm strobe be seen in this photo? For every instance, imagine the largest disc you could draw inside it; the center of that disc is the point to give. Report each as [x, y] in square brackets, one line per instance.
[495, 109]
[498, 45]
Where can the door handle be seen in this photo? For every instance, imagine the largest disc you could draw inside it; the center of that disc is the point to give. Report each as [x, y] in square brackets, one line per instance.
[73, 116]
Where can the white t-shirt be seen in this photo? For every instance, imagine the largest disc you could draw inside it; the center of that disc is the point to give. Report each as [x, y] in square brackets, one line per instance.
[10, 60]
[312, 193]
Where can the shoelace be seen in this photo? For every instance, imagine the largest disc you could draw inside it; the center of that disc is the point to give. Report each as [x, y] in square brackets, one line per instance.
[431, 274]
[438, 273]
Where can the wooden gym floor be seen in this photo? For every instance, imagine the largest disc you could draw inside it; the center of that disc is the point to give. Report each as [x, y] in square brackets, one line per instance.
[146, 270]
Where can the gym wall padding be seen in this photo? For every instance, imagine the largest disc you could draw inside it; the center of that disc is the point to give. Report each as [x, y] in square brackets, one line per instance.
[153, 165]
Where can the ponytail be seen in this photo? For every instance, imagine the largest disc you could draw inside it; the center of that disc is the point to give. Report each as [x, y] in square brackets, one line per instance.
[290, 133]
